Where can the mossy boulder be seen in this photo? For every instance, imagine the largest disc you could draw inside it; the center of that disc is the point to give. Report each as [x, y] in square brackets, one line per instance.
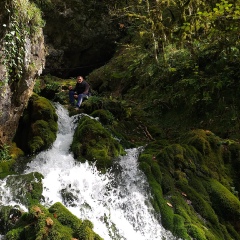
[105, 116]
[38, 126]
[91, 141]
[190, 186]
[53, 88]
[55, 223]
[82, 229]
[6, 168]
[179, 156]
[225, 203]
[159, 203]
[64, 216]
[9, 215]
[117, 108]
[26, 188]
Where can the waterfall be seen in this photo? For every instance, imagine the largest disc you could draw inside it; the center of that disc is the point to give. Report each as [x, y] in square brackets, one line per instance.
[116, 202]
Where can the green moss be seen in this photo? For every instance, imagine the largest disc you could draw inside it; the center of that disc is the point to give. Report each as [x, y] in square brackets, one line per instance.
[197, 184]
[44, 135]
[6, 168]
[94, 143]
[119, 109]
[167, 183]
[57, 223]
[14, 234]
[85, 231]
[159, 202]
[201, 206]
[42, 108]
[81, 229]
[64, 216]
[14, 151]
[198, 139]
[38, 127]
[177, 156]
[233, 232]
[182, 208]
[27, 188]
[179, 228]
[36, 144]
[224, 202]
[8, 217]
[155, 169]
[105, 116]
[196, 232]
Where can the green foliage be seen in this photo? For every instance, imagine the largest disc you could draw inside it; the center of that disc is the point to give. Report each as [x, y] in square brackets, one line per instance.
[46, 5]
[8, 156]
[6, 168]
[4, 153]
[24, 22]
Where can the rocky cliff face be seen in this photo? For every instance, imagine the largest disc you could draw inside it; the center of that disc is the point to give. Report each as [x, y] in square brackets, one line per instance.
[76, 37]
[22, 60]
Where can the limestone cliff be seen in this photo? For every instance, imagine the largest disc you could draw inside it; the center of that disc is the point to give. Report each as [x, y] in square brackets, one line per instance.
[22, 54]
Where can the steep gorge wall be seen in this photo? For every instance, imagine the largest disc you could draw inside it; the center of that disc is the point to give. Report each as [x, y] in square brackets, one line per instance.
[22, 60]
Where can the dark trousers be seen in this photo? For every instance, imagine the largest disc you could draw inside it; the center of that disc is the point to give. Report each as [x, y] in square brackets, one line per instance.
[80, 98]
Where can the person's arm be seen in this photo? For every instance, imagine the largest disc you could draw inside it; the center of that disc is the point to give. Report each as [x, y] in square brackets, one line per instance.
[86, 88]
[75, 88]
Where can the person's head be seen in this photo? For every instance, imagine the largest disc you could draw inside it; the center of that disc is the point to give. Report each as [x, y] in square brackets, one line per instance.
[79, 79]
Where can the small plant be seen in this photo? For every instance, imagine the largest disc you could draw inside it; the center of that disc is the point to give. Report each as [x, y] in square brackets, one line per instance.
[4, 153]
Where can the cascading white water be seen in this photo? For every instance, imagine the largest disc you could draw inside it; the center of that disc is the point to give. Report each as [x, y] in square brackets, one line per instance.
[116, 202]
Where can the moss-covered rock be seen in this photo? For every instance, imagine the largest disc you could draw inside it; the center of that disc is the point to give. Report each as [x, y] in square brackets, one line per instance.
[225, 203]
[93, 142]
[27, 189]
[6, 168]
[54, 88]
[85, 231]
[105, 116]
[159, 203]
[8, 217]
[191, 187]
[38, 126]
[64, 216]
[55, 223]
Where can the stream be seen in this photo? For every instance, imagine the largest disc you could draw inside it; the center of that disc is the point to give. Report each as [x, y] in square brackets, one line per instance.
[117, 202]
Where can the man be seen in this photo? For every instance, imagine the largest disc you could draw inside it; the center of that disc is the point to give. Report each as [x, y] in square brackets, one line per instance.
[80, 91]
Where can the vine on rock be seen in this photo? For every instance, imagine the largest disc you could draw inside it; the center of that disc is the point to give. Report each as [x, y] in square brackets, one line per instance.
[24, 20]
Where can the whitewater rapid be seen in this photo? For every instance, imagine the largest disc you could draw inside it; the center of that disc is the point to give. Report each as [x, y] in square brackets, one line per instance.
[116, 202]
